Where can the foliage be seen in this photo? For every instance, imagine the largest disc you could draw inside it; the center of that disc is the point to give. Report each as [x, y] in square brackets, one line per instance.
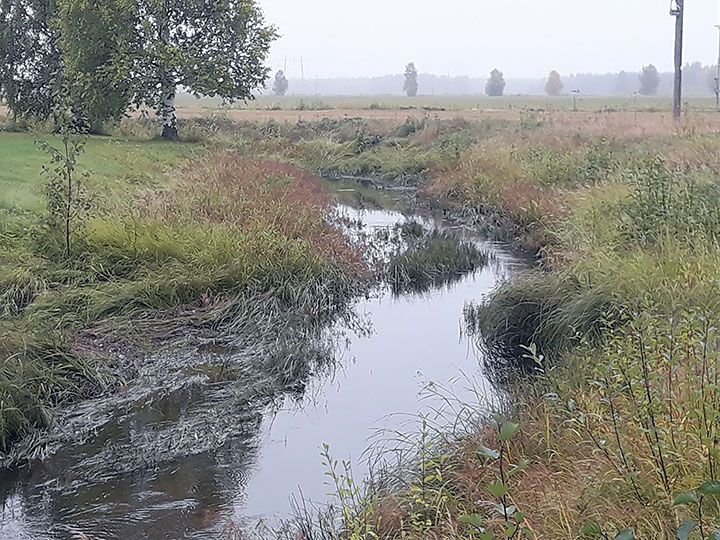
[427, 259]
[230, 233]
[410, 85]
[495, 86]
[96, 41]
[649, 80]
[67, 200]
[280, 83]
[120, 53]
[212, 50]
[505, 520]
[666, 204]
[30, 59]
[554, 84]
[550, 311]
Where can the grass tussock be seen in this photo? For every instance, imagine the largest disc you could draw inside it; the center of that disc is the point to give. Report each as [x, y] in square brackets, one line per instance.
[228, 232]
[430, 259]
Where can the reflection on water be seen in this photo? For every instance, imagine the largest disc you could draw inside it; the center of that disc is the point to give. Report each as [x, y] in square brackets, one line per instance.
[204, 438]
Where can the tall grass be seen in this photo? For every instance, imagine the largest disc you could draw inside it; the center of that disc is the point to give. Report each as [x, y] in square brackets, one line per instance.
[617, 424]
[428, 259]
[229, 233]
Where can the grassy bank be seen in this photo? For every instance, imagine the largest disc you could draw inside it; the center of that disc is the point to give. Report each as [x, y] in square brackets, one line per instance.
[614, 435]
[167, 239]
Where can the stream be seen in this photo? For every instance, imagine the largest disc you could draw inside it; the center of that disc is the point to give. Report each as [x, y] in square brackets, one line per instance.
[254, 441]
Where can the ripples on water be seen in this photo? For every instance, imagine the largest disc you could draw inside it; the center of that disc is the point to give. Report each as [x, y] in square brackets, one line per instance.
[207, 436]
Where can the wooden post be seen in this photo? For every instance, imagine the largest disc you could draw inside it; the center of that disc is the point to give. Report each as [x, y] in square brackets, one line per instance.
[678, 12]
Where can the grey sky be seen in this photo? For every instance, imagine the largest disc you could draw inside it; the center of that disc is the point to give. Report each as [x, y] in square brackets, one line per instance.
[522, 37]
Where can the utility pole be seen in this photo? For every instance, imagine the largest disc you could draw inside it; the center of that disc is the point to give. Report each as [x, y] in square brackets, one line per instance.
[717, 79]
[677, 10]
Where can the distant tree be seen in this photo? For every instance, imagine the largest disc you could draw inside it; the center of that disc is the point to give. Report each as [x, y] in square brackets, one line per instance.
[410, 85]
[649, 80]
[496, 83]
[280, 84]
[554, 84]
[30, 59]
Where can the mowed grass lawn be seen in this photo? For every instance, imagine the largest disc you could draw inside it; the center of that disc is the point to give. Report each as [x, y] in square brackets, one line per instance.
[112, 165]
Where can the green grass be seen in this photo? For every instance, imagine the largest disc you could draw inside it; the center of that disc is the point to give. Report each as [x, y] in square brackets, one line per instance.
[112, 165]
[172, 241]
[430, 259]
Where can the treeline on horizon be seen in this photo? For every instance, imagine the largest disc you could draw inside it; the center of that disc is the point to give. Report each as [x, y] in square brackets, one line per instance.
[698, 80]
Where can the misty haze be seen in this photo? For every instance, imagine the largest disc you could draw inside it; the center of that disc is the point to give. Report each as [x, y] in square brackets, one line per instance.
[368, 270]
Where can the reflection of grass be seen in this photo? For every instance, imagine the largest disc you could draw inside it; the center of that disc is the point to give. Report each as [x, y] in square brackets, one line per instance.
[356, 195]
[431, 259]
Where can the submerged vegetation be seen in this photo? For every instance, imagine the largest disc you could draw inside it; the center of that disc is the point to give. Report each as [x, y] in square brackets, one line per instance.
[430, 259]
[614, 434]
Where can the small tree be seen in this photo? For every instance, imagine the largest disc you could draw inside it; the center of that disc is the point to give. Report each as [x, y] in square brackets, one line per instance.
[496, 83]
[410, 86]
[68, 205]
[554, 84]
[280, 84]
[649, 80]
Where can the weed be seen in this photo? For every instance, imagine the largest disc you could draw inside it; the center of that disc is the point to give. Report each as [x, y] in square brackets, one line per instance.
[430, 259]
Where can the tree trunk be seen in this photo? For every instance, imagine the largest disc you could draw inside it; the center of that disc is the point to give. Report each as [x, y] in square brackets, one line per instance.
[169, 116]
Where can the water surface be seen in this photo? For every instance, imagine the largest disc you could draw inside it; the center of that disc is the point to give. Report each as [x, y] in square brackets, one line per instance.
[179, 454]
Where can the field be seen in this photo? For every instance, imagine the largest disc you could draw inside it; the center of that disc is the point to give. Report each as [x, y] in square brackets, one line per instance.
[430, 103]
[608, 351]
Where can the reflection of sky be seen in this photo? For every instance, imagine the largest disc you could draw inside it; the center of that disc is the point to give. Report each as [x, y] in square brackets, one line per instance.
[416, 340]
[96, 487]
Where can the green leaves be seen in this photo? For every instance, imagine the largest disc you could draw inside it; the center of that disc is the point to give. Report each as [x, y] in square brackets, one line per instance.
[488, 453]
[520, 467]
[710, 488]
[508, 430]
[685, 499]
[498, 489]
[685, 529]
[475, 520]
[591, 530]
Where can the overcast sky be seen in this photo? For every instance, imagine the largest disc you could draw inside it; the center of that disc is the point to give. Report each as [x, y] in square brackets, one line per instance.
[524, 38]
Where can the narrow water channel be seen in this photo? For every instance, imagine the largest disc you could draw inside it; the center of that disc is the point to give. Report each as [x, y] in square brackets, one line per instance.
[250, 453]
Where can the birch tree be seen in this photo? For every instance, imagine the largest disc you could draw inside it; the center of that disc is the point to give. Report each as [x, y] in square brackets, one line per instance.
[207, 47]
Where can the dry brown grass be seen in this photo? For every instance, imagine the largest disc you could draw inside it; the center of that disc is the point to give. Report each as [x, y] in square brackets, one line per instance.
[255, 196]
[621, 124]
